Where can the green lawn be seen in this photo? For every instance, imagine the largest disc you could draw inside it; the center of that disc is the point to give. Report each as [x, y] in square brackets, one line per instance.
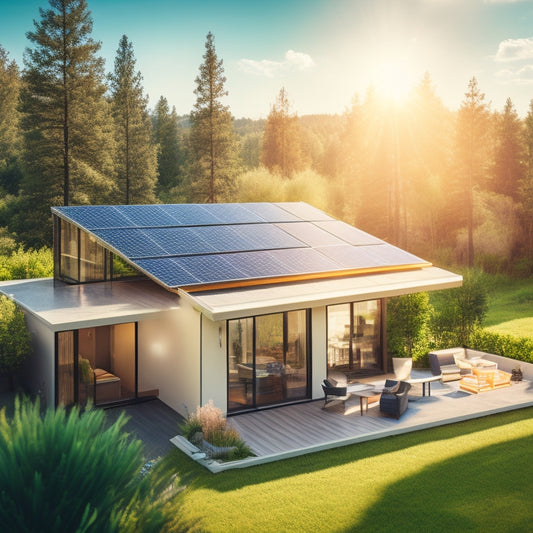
[471, 476]
[511, 307]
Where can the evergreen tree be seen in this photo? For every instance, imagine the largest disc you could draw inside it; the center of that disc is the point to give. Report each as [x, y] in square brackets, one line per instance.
[68, 143]
[136, 152]
[282, 151]
[9, 124]
[212, 139]
[167, 138]
[526, 184]
[508, 164]
[471, 154]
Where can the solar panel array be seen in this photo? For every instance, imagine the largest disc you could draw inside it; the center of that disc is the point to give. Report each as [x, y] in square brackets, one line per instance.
[186, 245]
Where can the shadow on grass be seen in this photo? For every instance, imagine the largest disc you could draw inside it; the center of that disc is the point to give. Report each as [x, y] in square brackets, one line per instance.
[485, 490]
[192, 474]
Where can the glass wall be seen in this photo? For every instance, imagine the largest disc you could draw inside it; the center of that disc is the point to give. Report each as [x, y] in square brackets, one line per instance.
[268, 360]
[354, 337]
[79, 258]
[97, 364]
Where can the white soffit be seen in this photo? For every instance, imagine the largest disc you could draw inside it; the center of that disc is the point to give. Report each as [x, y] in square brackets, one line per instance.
[236, 303]
[63, 307]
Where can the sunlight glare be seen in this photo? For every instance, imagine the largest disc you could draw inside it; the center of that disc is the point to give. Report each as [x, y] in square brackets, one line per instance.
[393, 80]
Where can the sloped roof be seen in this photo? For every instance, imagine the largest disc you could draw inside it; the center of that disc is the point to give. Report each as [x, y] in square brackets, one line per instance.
[212, 246]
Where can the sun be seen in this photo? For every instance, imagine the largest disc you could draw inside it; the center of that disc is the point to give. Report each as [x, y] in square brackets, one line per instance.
[393, 79]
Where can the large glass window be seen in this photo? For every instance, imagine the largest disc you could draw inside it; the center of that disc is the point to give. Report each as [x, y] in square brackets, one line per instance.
[354, 337]
[267, 360]
[97, 364]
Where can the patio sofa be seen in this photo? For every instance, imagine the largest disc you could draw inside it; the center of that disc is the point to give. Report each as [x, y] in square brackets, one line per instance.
[443, 362]
[394, 403]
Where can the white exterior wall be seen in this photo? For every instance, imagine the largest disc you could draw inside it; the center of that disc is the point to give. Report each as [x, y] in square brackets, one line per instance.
[169, 357]
[39, 369]
[214, 363]
[319, 347]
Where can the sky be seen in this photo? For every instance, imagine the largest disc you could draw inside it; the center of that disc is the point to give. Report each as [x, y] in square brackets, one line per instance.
[324, 52]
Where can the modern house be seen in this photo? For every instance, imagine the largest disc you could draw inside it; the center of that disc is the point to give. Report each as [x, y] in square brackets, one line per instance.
[248, 305]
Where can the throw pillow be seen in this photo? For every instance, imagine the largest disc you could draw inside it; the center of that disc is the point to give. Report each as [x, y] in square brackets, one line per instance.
[393, 389]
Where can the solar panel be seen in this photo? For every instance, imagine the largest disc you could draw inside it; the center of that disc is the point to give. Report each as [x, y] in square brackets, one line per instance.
[95, 216]
[348, 233]
[304, 211]
[267, 237]
[167, 271]
[310, 234]
[190, 214]
[270, 212]
[146, 215]
[350, 257]
[303, 261]
[179, 241]
[232, 213]
[191, 244]
[130, 242]
[210, 268]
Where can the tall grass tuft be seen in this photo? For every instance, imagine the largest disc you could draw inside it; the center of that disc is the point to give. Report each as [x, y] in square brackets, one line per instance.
[66, 471]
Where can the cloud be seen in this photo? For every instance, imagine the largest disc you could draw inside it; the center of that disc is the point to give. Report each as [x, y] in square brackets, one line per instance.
[266, 67]
[519, 76]
[515, 49]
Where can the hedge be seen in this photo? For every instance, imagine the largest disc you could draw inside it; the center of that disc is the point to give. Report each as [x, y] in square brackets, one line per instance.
[519, 348]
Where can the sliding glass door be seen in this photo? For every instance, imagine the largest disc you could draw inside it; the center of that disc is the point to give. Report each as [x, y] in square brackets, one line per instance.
[97, 365]
[268, 360]
[354, 337]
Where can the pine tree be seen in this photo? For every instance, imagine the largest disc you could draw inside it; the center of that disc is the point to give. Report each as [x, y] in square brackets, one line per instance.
[526, 184]
[168, 141]
[68, 143]
[10, 142]
[136, 152]
[508, 164]
[471, 154]
[212, 139]
[282, 151]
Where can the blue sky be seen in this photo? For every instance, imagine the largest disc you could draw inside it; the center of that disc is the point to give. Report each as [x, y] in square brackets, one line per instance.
[322, 51]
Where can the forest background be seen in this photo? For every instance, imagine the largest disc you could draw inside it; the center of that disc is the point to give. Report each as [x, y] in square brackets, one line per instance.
[455, 187]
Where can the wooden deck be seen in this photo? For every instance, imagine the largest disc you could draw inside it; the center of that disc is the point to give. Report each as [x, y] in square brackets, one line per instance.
[297, 429]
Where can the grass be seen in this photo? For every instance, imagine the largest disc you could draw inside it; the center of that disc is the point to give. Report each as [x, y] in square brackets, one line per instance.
[471, 476]
[510, 307]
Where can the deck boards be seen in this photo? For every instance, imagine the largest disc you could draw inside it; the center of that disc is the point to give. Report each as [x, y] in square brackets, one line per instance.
[307, 425]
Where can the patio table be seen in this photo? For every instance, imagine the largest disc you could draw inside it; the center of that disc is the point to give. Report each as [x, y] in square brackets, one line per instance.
[364, 395]
[424, 380]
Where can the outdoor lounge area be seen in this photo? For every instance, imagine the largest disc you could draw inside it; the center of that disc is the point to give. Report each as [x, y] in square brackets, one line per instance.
[293, 430]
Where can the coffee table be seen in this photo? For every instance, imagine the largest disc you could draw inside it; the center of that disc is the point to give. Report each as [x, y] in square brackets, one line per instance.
[424, 380]
[364, 395]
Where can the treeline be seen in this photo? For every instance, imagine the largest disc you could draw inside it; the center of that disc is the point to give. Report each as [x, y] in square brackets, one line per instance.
[450, 186]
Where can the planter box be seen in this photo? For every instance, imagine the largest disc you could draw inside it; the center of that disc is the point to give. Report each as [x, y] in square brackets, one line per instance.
[216, 451]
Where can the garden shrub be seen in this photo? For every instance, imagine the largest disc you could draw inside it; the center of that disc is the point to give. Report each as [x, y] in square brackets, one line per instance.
[407, 325]
[15, 343]
[209, 421]
[519, 348]
[28, 264]
[70, 472]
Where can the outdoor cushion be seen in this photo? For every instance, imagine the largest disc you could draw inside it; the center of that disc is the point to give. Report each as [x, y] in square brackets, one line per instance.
[392, 389]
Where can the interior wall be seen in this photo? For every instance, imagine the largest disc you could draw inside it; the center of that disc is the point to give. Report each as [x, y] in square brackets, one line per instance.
[169, 357]
[319, 347]
[121, 339]
[214, 364]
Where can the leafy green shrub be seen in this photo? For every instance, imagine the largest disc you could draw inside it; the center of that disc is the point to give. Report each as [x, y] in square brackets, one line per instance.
[69, 472]
[407, 325]
[519, 348]
[28, 264]
[15, 343]
[459, 311]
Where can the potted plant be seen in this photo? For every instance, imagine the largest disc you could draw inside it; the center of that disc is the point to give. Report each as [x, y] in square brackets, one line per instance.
[516, 373]
[407, 319]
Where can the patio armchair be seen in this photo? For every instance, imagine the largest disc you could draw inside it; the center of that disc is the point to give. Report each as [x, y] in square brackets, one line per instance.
[333, 394]
[394, 403]
[442, 362]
